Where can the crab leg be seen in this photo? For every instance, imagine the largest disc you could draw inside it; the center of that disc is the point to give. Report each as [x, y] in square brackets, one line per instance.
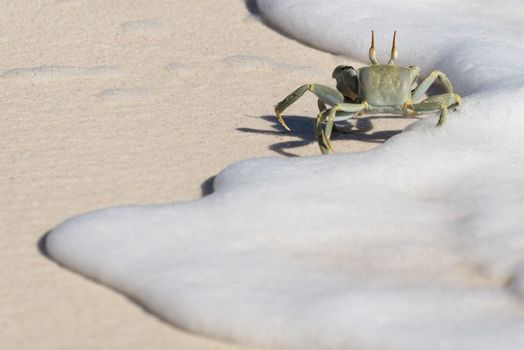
[321, 105]
[329, 116]
[430, 79]
[328, 96]
[338, 117]
[323, 142]
[438, 103]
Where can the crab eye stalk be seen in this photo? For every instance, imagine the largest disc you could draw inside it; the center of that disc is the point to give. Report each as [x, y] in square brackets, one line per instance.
[394, 51]
[372, 51]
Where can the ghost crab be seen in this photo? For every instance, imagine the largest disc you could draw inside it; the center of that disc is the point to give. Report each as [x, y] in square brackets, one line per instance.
[376, 89]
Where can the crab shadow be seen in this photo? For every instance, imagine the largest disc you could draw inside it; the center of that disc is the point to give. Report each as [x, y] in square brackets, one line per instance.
[302, 128]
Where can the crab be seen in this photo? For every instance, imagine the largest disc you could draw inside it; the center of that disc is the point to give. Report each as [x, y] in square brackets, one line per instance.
[377, 89]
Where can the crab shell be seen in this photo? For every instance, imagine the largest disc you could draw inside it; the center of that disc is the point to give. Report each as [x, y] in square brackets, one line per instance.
[386, 85]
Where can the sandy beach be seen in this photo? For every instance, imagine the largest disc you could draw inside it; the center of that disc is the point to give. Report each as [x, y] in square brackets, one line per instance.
[111, 103]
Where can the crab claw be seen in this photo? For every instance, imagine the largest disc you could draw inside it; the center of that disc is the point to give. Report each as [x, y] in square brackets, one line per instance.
[280, 119]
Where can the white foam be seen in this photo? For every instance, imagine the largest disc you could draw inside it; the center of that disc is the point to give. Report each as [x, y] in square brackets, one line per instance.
[417, 244]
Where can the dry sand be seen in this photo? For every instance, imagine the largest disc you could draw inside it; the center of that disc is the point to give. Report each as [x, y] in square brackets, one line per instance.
[117, 102]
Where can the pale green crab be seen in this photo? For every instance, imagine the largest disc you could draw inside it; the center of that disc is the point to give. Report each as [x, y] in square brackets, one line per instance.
[378, 89]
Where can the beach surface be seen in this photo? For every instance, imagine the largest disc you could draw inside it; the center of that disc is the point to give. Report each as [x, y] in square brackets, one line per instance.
[114, 103]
